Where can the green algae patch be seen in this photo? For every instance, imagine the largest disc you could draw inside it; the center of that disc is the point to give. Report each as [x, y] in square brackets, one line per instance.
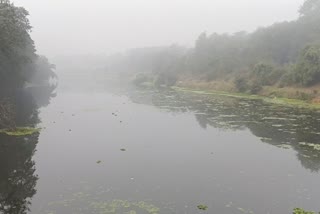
[311, 145]
[302, 211]
[121, 206]
[202, 207]
[291, 102]
[20, 131]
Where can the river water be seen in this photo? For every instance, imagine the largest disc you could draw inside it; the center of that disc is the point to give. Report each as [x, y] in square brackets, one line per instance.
[162, 151]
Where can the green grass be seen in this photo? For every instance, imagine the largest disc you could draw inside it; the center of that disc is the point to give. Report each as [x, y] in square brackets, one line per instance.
[278, 101]
[20, 131]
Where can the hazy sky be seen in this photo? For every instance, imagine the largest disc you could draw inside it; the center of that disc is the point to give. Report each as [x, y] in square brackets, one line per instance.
[104, 26]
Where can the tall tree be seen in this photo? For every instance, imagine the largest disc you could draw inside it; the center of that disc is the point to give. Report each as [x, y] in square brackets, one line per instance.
[17, 50]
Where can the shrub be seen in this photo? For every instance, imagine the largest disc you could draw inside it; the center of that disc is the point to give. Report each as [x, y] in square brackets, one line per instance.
[255, 87]
[241, 84]
[140, 78]
[167, 79]
[263, 73]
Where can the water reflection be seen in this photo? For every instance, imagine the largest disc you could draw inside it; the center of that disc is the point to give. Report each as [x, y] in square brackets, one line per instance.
[282, 126]
[17, 178]
[17, 169]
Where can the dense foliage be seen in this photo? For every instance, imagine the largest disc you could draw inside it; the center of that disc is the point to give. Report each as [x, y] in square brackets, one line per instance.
[18, 59]
[20, 67]
[17, 51]
[21, 72]
[283, 54]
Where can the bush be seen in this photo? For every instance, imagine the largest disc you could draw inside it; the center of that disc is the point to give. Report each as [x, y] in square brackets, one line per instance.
[304, 96]
[286, 79]
[241, 84]
[166, 79]
[140, 78]
[264, 74]
[255, 87]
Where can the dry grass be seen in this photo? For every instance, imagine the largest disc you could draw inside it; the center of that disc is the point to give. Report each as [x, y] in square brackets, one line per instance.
[307, 94]
[213, 85]
[311, 94]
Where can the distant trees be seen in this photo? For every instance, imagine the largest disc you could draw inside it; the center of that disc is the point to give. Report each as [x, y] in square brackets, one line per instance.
[282, 54]
[157, 65]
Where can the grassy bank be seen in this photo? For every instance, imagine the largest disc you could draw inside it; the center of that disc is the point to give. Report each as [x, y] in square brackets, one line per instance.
[270, 95]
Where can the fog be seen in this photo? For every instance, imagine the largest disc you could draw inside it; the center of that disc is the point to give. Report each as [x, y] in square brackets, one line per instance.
[159, 106]
[87, 27]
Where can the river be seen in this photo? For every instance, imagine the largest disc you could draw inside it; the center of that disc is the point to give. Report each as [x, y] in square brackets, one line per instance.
[134, 150]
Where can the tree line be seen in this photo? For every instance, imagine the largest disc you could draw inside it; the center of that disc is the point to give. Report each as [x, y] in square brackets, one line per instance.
[284, 54]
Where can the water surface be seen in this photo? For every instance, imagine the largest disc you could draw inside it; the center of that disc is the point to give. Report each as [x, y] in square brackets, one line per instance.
[161, 151]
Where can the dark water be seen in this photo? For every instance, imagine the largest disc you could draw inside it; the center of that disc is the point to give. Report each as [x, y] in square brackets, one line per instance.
[141, 151]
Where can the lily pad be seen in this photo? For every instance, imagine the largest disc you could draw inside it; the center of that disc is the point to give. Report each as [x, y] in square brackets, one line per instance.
[20, 131]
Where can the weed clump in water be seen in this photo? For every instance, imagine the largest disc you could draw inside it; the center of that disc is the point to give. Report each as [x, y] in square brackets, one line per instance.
[202, 207]
[302, 211]
[20, 131]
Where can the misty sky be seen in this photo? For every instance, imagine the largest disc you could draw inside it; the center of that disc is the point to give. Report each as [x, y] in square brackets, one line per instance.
[105, 26]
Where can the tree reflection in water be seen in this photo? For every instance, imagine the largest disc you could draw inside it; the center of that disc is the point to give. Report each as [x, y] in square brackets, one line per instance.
[277, 125]
[17, 168]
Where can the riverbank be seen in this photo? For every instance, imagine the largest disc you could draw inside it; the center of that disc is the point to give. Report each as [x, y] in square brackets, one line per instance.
[298, 97]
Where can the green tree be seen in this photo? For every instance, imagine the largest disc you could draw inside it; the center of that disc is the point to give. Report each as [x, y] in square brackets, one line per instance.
[17, 51]
[307, 71]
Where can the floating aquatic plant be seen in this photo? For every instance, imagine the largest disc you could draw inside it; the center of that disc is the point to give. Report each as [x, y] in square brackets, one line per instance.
[301, 211]
[20, 131]
[202, 207]
[117, 206]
